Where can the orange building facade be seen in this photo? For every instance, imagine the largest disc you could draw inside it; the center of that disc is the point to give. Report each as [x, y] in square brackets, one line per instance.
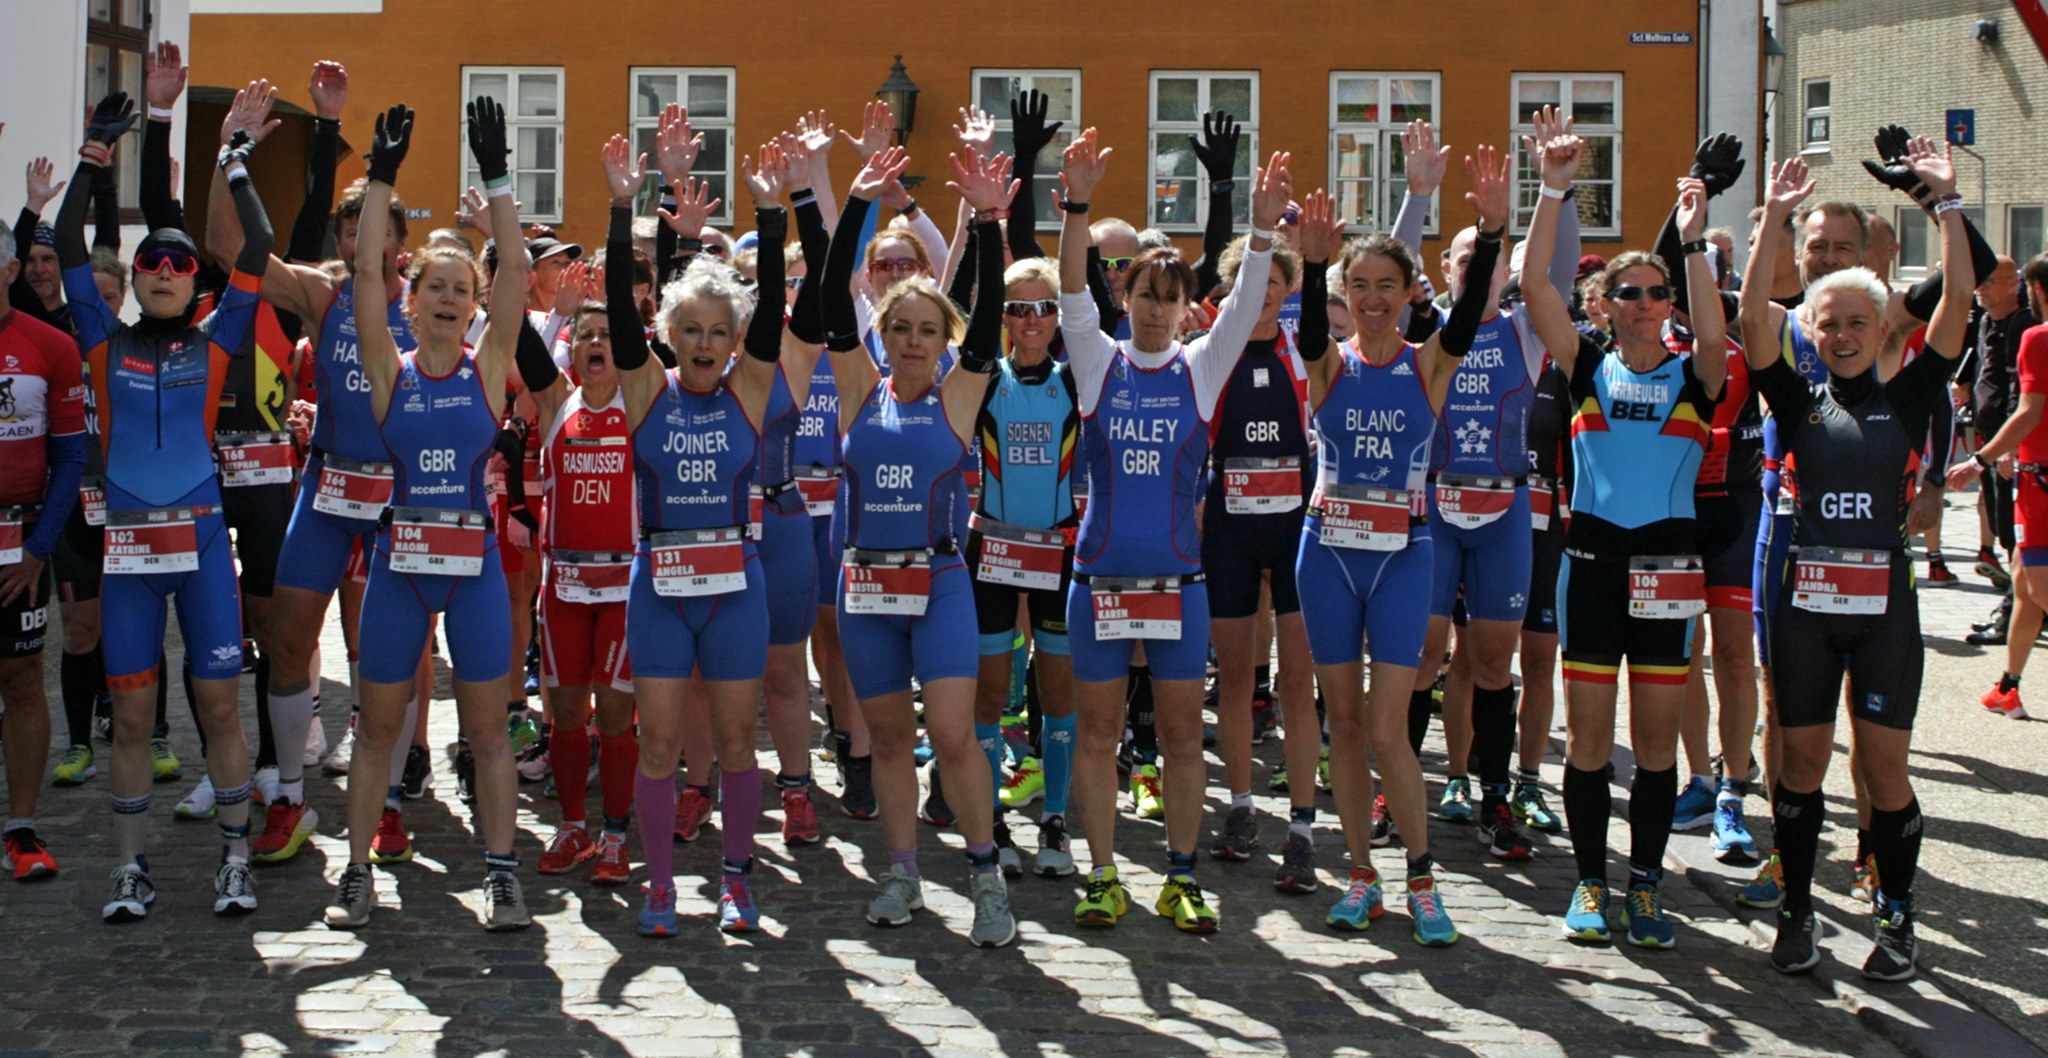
[1330, 82]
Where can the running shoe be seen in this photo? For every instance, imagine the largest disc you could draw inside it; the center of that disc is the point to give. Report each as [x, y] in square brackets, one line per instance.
[523, 732]
[692, 809]
[611, 866]
[1297, 872]
[418, 777]
[316, 739]
[504, 902]
[994, 924]
[1797, 948]
[1695, 807]
[1323, 771]
[1938, 574]
[198, 804]
[1146, 799]
[901, 893]
[1181, 900]
[286, 826]
[1053, 859]
[1732, 840]
[76, 767]
[1240, 835]
[799, 817]
[25, 854]
[1104, 901]
[567, 850]
[465, 774]
[1586, 918]
[1995, 636]
[1456, 806]
[1361, 904]
[1277, 782]
[1992, 570]
[1382, 823]
[132, 895]
[658, 911]
[1896, 952]
[922, 752]
[1008, 860]
[1767, 889]
[1864, 885]
[857, 795]
[1262, 716]
[263, 786]
[1502, 838]
[532, 765]
[737, 912]
[163, 764]
[338, 759]
[103, 722]
[355, 896]
[1642, 914]
[234, 888]
[936, 811]
[1025, 784]
[2005, 703]
[1533, 811]
[1433, 926]
[391, 844]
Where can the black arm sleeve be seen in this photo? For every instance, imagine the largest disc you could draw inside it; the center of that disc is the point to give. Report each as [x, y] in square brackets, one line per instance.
[1470, 308]
[983, 345]
[258, 237]
[1423, 321]
[961, 290]
[672, 254]
[1941, 435]
[1215, 237]
[842, 327]
[629, 336]
[806, 321]
[1672, 249]
[1024, 210]
[764, 331]
[160, 208]
[106, 211]
[1314, 332]
[1098, 285]
[71, 251]
[19, 294]
[536, 365]
[309, 231]
[1922, 298]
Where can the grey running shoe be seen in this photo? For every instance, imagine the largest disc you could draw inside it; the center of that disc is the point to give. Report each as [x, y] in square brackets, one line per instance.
[354, 898]
[1897, 950]
[994, 926]
[504, 902]
[133, 893]
[1053, 859]
[1297, 866]
[901, 894]
[1240, 835]
[234, 889]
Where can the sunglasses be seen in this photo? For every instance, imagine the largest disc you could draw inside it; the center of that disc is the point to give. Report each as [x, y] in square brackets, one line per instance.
[1121, 264]
[1659, 292]
[895, 264]
[794, 282]
[167, 262]
[1025, 310]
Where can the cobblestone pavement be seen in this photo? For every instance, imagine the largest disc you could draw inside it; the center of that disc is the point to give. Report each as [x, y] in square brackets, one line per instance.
[426, 980]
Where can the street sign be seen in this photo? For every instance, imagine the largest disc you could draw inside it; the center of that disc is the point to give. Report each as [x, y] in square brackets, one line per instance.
[1639, 37]
[1962, 128]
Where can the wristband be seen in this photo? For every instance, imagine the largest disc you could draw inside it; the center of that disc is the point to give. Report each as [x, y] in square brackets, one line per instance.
[1496, 234]
[1261, 233]
[1695, 246]
[96, 153]
[990, 216]
[1947, 203]
[1551, 192]
[1977, 457]
[238, 171]
[802, 195]
[1222, 185]
[327, 125]
[694, 245]
[909, 210]
[159, 114]
[498, 188]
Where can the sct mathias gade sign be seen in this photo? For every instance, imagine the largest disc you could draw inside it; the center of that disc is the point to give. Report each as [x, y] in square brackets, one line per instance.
[1655, 37]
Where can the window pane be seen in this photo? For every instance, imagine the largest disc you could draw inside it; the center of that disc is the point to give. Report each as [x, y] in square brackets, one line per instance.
[1912, 227]
[1173, 202]
[2026, 232]
[1596, 162]
[1596, 204]
[1234, 96]
[1817, 93]
[1531, 96]
[1048, 209]
[651, 92]
[536, 149]
[993, 94]
[1241, 189]
[716, 150]
[98, 72]
[708, 96]
[719, 190]
[103, 10]
[488, 84]
[1354, 202]
[1059, 97]
[537, 190]
[1411, 99]
[131, 72]
[1358, 99]
[1176, 99]
[1818, 128]
[1173, 156]
[1593, 102]
[131, 13]
[537, 95]
[1355, 157]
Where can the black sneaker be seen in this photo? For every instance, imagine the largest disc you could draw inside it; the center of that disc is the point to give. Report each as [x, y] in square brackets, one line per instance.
[1502, 838]
[1797, 948]
[857, 798]
[419, 773]
[465, 774]
[1239, 837]
[1896, 952]
[936, 811]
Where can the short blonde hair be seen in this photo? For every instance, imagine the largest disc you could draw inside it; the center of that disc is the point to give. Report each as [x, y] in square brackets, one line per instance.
[921, 287]
[1040, 269]
[706, 277]
[1858, 280]
[1285, 260]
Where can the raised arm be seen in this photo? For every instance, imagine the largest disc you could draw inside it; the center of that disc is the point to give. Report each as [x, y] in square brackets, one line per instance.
[1559, 151]
[806, 322]
[1441, 355]
[986, 187]
[1212, 357]
[163, 81]
[300, 290]
[818, 134]
[1426, 162]
[1709, 328]
[1032, 134]
[1895, 169]
[1317, 236]
[1759, 316]
[494, 351]
[1930, 162]
[753, 378]
[329, 89]
[391, 141]
[1217, 151]
[853, 375]
[676, 145]
[639, 375]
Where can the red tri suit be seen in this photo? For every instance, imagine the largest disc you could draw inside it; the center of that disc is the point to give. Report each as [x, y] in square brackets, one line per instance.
[588, 537]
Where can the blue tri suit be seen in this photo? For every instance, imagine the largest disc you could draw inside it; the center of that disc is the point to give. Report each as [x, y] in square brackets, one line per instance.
[789, 557]
[1484, 433]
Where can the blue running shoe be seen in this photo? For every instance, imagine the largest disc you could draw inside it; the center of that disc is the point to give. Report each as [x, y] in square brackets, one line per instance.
[1643, 914]
[1456, 807]
[1732, 841]
[1586, 919]
[1361, 904]
[1433, 928]
[737, 912]
[1695, 806]
[658, 917]
[1767, 889]
[922, 753]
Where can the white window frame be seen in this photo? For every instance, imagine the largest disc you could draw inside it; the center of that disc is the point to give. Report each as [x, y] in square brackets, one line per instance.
[644, 202]
[1568, 80]
[1807, 112]
[2018, 253]
[1247, 148]
[528, 214]
[1388, 188]
[1026, 79]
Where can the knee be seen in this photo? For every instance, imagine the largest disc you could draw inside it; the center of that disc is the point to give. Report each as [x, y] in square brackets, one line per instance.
[890, 739]
[1734, 656]
[1098, 728]
[785, 682]
[22, 686]
[379, 728]
[134, 721]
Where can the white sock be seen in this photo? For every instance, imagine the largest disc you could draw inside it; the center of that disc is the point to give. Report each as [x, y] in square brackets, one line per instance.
[1241, 800]
[291, 716]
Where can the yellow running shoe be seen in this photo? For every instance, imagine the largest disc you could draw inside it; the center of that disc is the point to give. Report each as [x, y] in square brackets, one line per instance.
[1105, 901]
[1145, 791]
[1181, 900]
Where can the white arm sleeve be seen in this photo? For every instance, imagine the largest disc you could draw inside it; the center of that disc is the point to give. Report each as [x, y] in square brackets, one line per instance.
[1088, 349]
[934, 240]
[1213, 356]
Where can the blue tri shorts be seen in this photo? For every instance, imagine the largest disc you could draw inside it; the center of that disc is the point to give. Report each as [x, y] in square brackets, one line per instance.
[883, 652]
[1360, 594]
[135, 606]
[789, 562]
[1186, 658]
[1492, 563]
[398, 610]
[317, 545]
[726, 636]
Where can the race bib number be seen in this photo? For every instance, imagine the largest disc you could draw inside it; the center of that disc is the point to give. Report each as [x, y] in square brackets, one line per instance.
[437, 541]
[92, 497]
[1667, 587]
[1839, 580]
[10, 534]
[757, 502]
[1261, 486]
[1015, 557]
[972, 478]
[248, 459]
[693, 562]
[820, 488]
[1468, 501]
[155, 541]
[1542, 503]
[1136, 607]
[887, 583]
[348, 489]
[1362, 519]
[590, 576]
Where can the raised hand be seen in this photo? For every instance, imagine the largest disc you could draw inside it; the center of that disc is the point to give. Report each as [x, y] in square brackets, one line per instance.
[1718, 162]
[798, 156]
[1082, 165]
[878, 123]
[249, 114]
[40, 189]
[1491, 170]
[977, 129]
[163, 75]
[1217, 149]
[1427, 160]
[765, 179]
[388, 146]
[1789, 187]
[1275, 188]
[1319, 230]
[329, 88]
[487, 142]
[1928, 160]
[574, 286]
[881, 170]
[984, 184]
[622, 173]
[1028, 127]
[1893, 144]
[816, 131]
[693, 209]
[1692, 207]
[1555, 146]
[676, 144]
[114, 115]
